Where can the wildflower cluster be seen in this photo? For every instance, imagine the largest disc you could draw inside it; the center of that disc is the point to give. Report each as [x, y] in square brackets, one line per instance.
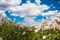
[13, 31]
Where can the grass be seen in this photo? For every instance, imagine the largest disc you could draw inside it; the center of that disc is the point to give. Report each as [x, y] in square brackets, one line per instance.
[13, 31]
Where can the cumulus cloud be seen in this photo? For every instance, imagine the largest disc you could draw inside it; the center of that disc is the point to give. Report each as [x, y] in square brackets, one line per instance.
[38, 2]
[8, 3]
[28, 21]
[28, 11]
[55, 17]
[2, 14]
[58, 14]
[44, 7]
[4, 4]
[50, 13]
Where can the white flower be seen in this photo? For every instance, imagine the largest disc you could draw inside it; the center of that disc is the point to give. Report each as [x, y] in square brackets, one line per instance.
[44, 37]
[46, 27]
[1, 39]
[36, 30]
[24, 33]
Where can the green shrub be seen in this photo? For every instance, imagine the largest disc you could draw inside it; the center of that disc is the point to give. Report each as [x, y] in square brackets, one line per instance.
[12, 31]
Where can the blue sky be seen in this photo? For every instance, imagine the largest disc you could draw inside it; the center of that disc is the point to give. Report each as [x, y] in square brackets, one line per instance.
[52, 5]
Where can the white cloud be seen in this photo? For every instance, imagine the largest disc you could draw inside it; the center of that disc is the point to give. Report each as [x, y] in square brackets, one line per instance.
[31, 22]
[29, 9]
[44, 7]
[28, 21]
[8, 3]
[55, 17]
[14, 2]
[38, 2]
[58, 14]
[2, 14]
[50, 13]
[14, 14]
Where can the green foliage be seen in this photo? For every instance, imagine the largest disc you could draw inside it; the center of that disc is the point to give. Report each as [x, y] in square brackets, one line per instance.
[12, 31]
